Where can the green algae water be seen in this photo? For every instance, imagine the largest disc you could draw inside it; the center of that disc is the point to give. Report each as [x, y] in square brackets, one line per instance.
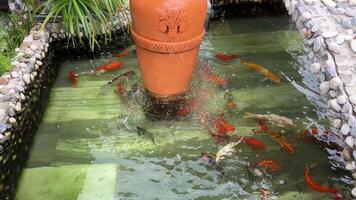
[87, 146]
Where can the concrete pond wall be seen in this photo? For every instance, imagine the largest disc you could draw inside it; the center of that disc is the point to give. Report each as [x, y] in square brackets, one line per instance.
[328, 29]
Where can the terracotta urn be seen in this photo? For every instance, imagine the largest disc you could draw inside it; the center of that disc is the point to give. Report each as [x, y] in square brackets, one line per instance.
[167, 34]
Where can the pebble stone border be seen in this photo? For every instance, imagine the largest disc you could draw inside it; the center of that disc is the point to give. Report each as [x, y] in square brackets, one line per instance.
[23, 94]
[328, 29]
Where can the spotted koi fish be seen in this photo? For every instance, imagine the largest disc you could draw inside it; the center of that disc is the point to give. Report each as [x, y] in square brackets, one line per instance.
[262, 70]
[275, 136]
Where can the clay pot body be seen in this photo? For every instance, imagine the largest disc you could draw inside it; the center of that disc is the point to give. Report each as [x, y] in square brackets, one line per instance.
[167, 34]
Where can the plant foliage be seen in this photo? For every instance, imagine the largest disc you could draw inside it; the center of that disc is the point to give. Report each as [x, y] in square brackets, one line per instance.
[84, 18]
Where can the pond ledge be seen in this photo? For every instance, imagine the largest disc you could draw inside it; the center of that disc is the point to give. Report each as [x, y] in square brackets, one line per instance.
[329, 31]
[23, 96]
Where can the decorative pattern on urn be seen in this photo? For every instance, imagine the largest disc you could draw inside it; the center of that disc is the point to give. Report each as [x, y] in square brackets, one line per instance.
[173, 21]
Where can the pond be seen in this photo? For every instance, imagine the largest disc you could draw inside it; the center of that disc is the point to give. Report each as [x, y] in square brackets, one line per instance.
[89, 146]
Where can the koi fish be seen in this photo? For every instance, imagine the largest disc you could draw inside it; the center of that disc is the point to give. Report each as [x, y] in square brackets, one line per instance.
[190, 105]
[275, 136]
[120, 90]
[273, 118]
[122, 54]
[227, 150]
[261, 70]
[120, 78]
[269, 165]
[254, 144]
[316, 186]
[143, 132]
[230, 102]
[73, 78]
[113, 66]
[218, 138]
[223, 126]
[224, 57]
[211, 78]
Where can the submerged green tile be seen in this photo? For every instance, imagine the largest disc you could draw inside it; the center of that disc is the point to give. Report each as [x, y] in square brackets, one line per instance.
[70, 182]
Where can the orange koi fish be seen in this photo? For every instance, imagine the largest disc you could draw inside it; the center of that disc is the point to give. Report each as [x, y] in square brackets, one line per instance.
[254, 143]
[73, 78]
[223, 57]
[120, 90]
[277, 137]
[113, 66]
[269, 165]
[317, 187]
[261, 70]
[209, 77]
[223, 127]
[122, 54]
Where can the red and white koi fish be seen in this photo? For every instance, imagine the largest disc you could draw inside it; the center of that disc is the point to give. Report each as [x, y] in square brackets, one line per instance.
[223, 57]
[113, 66]
[73, 78]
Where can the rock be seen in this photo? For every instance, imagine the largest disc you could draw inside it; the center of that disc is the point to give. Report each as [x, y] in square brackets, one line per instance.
[353, 127]
[12, 120]
[18, 107]
[334, 47]
[335, 83]
[354, 154]
[318, 43]
[334, 105]
[26, 78]
[353, 45]
[337, 123]
[350, 141]
[3, 128]
[342, 99]
[310, 2]
[3, 80]
[34, 47]
[315, 67]
[324, 87]
[346, 154]
[22, 96]
[345, 130]
[14, 74]
[329, 3]
[340, 39]
[347, 108]
[351, 166]
[352, 3]
[346, 23]
[305, 16]
[350, 12]
[353, 99]
[353, 192]
[329, 34]
[39, 63]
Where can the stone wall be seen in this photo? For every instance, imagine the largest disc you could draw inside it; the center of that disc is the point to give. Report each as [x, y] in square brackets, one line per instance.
[23, 96]
[329, 31]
